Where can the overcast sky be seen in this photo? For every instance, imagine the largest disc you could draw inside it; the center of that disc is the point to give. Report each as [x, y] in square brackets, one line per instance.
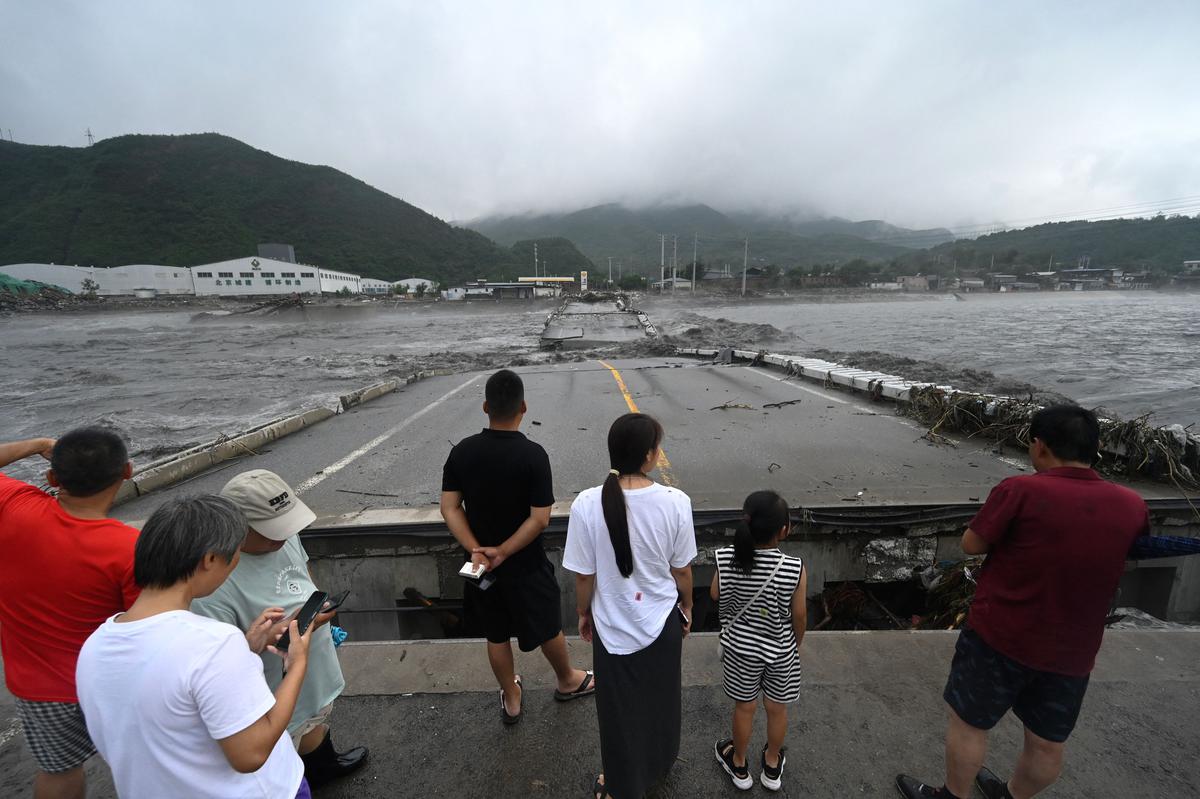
[922, 113]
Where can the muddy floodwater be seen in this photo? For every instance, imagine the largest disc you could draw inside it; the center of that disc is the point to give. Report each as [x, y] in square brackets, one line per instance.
[169, 380]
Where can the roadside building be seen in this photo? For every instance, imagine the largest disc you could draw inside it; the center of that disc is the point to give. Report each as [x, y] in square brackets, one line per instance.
[550, 286]
[1087, 279]
[253, 276]
[1000, 282]
[1132, 281]
[370, 285]
[335, 282]
[1044, 280]
[1189, 278]
[676, 283]
[455, 294]
[482, 289]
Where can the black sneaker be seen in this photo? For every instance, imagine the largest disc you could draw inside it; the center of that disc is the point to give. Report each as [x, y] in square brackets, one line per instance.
[739, 775]
[772, 778]
[915, 789]
[991, 786]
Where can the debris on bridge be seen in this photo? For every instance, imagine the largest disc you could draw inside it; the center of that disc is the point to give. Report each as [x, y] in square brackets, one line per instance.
[1133, 448]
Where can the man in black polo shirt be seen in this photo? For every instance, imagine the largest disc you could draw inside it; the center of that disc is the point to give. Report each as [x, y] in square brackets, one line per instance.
[504, 480]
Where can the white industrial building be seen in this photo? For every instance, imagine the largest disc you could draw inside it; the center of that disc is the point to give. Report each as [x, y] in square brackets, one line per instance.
[332, 282]
[66, 277]
[240, 277]
[370, 285]
[253, 276]
[149, 280]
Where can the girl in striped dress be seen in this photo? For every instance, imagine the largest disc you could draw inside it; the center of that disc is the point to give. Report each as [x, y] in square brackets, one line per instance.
[761, 595]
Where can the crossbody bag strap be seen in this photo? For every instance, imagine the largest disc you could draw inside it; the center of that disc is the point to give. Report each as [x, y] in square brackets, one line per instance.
[757, 594]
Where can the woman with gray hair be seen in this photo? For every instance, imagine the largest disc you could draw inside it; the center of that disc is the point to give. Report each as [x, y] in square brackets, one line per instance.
[176, 702]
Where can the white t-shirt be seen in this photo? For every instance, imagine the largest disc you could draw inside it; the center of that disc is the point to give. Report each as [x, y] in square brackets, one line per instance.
[629, 613]
[159, 693]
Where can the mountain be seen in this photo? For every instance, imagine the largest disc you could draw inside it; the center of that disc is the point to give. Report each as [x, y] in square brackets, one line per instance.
[870, 229]
[187, 200]
[1160, 243]
[631, 236]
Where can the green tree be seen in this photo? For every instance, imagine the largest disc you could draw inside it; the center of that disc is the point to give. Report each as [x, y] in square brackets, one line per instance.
[855, 272]
[420, 292]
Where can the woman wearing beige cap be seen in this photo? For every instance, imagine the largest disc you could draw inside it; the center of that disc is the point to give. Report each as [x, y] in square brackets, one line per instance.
[274, 573]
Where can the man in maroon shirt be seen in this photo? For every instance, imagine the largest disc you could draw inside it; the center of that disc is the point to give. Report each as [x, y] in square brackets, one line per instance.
[1056, 543]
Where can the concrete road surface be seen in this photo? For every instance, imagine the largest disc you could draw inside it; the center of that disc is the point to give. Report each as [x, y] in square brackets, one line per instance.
[821, 447]
[871, 706]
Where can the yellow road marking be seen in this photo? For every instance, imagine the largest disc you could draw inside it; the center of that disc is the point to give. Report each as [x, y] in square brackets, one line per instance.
[664, 463]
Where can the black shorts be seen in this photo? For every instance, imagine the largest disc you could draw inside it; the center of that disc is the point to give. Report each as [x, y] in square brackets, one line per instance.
[984, 684]
[523, 603]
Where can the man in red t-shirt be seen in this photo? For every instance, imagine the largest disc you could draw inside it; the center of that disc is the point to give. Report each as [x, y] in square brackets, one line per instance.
[1056, 543]
[66, 569]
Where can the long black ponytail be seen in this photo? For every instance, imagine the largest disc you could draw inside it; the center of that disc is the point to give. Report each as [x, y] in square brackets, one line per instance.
[764, 514]
[630, 439]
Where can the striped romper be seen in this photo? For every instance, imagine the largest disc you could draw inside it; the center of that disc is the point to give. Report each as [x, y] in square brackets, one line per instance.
[760, 647]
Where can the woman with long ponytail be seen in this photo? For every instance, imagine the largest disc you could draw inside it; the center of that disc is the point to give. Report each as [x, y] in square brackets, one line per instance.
[630, 542]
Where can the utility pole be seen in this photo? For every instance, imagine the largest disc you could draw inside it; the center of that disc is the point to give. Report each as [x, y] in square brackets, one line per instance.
[610, 270]
[535, 265]
[694, 240]
[674, 261]
[662, 260]
[745, 263]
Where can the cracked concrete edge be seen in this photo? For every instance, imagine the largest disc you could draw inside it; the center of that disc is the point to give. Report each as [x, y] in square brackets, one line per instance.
[183, 465]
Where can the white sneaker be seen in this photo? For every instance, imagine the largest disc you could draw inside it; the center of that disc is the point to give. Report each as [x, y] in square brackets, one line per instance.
[739, 776]
[772, 778]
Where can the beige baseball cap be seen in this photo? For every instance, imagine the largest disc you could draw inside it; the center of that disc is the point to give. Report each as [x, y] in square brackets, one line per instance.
[269, 504]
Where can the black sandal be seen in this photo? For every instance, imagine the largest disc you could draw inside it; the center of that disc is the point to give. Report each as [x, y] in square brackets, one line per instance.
[504, 716]
[586, 688]
[599, 789]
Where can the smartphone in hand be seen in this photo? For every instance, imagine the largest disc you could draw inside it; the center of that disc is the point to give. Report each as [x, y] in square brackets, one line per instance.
[311, 608]
[336, 601]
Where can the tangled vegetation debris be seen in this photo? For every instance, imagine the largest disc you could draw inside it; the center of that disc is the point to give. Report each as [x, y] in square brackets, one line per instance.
[1133, 448]
[950, 588]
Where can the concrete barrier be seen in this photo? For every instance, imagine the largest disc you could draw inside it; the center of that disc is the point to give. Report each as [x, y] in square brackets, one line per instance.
[180, 466]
